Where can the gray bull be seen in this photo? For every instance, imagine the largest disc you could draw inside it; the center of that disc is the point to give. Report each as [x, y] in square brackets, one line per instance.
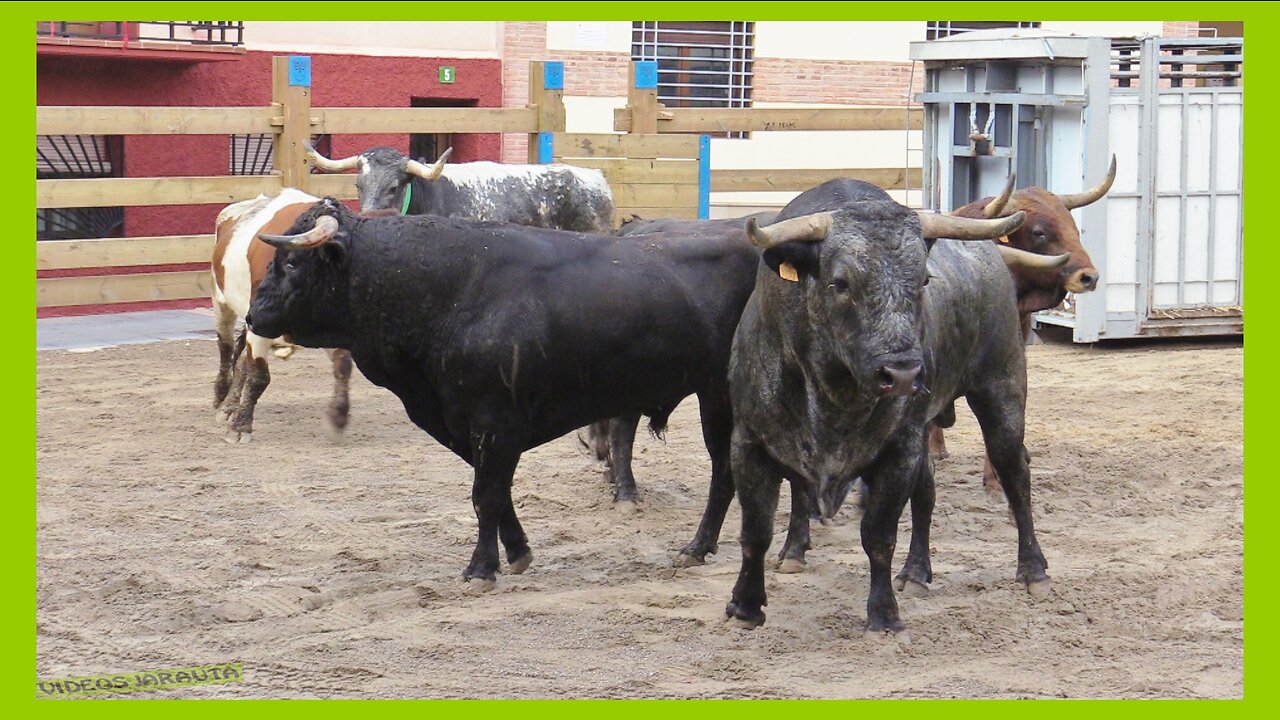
[848, 347]
[554, 196]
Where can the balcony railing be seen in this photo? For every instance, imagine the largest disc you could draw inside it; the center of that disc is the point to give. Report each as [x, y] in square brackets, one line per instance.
[223, 33]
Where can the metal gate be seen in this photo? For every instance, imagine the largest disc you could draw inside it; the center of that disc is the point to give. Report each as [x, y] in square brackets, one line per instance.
[1177, 121]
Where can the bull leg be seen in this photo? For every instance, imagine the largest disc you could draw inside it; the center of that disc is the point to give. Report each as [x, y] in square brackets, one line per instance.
[917, 571]
[495, 454]
[256, 378]
[937, 443]
[597, 440]
[990, 478]
[224, 325]
[717, 431]
[622, 438]
[803, 504]
[336, 415]
[999, 410]
[757, 479]
[239, 370]
[888, 483]
[516, 543]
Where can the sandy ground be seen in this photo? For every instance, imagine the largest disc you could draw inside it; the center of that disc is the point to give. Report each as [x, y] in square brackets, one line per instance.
[333, 571]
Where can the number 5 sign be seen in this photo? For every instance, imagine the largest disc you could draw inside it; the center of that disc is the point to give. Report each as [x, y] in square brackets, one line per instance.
[448, 75]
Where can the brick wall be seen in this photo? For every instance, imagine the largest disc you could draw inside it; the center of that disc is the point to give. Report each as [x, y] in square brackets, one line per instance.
[1181, 29]
[850, 82]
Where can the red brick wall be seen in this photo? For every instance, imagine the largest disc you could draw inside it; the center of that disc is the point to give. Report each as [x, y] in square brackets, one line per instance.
[1181, 29]
[851, 82]
[521, 42]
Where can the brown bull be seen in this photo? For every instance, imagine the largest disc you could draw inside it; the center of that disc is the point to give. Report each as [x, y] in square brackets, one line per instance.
[1049, 230]
[240, 261]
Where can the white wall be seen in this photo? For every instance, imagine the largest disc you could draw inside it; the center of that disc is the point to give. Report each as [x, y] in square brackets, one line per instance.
[597, 36]
[399, 39]
[885, 41]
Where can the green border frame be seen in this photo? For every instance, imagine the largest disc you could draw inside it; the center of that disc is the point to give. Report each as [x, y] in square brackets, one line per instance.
[18, 283]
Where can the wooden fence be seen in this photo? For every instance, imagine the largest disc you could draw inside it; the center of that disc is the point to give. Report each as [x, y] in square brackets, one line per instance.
[645, 115]
[129, 265]
[659, 167]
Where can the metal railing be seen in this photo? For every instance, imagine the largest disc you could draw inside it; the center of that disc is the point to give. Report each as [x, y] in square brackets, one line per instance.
[225, 33]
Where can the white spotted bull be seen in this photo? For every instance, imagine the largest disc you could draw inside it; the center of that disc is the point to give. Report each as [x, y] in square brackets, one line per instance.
[554, 196]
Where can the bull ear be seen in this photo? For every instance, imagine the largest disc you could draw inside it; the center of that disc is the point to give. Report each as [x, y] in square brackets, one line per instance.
[793, 260]
[334, 252]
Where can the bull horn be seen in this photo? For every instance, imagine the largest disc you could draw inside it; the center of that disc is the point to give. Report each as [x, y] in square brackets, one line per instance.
[806, 228]
[1014, 257]
[326, 227]
[936, 225]
[328, 165]
[994, 207]
[428, 172]
[1093, 194]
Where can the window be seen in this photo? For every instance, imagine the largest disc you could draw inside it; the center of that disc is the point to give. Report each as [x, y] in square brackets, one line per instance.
[427, 147]
[700, 64]
[937, 29]
[254, 154]
[79, 156]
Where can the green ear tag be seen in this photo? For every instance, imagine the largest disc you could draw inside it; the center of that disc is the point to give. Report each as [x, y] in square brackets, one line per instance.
[408, 195]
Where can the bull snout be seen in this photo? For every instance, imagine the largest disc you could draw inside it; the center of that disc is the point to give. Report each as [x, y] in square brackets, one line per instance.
[900, 377]
[1082, 280]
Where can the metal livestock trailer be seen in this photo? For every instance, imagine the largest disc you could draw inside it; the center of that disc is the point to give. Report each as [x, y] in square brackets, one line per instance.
[1168, 238]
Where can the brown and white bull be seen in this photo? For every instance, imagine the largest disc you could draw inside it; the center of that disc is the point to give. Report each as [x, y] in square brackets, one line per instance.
[240, 261]
[1049, 230]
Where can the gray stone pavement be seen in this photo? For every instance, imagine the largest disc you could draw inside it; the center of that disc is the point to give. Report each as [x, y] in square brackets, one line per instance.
[97, 331]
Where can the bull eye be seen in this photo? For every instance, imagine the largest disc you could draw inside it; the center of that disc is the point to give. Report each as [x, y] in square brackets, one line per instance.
[840, 285]
[291, 263]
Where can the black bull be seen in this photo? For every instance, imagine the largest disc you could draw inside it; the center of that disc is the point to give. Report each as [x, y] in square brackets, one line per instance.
[499, 338]
[817, 369]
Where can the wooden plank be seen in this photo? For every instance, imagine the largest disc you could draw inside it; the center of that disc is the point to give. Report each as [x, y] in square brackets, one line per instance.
[424, 120]
[289, 145]
[768, 180]
[119, 252]
[712, 120]
[338, 185]
[590, 145]
[112, 192]
[98, 120]
[657, 213]
[662, 195]
[641, 170]
[98, 289]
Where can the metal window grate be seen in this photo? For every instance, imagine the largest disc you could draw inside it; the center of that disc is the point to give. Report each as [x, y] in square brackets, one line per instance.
[254, 154]
[700, 64]
[79, 156]
[1183, 62]
[936, 29]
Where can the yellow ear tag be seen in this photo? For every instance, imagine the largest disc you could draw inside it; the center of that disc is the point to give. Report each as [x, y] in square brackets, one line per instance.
[1004, 239]
[787, 271]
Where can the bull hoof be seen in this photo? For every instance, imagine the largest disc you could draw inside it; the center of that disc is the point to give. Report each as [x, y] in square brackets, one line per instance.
[625, 507]
[684, 560]
[520, 564]
[910, 588]
[335, 433]
[234, 437]
[478, 586]
[283, 352]
[790, 566]
[890, 638]
[1040, 589]
[743, 618]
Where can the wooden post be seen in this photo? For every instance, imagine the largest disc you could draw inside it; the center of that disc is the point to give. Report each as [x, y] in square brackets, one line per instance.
[546, 93]
[291, 110]
[642, 97]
